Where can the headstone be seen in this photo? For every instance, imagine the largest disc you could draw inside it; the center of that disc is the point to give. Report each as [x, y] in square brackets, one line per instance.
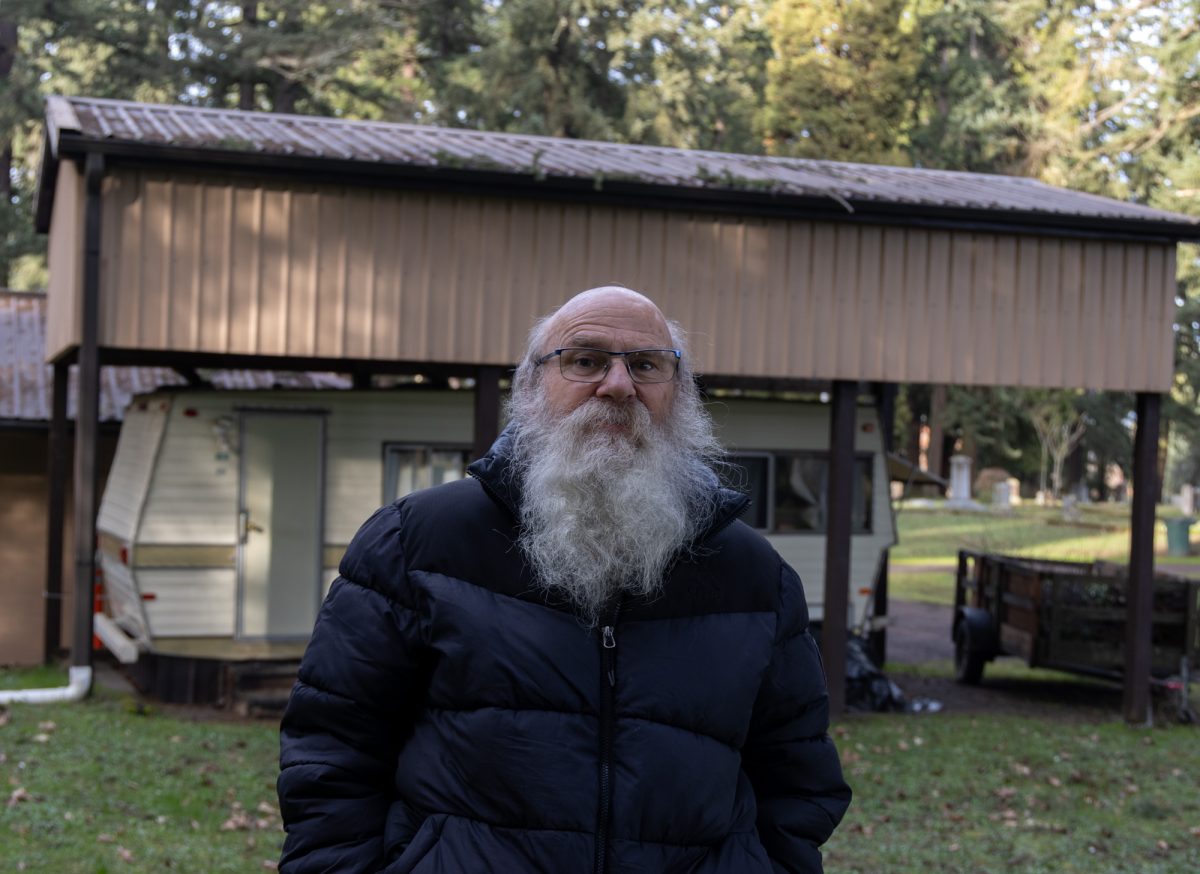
[960, 484]
[1001, 498]
[1187, 499]
[1070, 509]
[1014, 491]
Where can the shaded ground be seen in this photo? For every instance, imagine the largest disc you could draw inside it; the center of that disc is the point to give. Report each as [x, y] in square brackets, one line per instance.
[919, 634]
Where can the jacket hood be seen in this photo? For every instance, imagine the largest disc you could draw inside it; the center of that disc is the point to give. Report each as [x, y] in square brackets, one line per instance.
[495, 472]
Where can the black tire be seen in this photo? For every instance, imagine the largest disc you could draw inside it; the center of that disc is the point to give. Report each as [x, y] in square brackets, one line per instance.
[968, 661]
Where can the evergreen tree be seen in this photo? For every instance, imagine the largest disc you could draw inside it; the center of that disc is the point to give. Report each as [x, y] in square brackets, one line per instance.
[841, 83]
[694, 73]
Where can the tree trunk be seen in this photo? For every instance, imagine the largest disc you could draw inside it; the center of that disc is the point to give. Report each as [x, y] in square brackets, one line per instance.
[246, 83]
[1160, 475]
[937, 455]
[8, 54]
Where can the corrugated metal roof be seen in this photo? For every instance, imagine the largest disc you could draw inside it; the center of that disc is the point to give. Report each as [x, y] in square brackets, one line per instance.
[535, 158]
[27, 382]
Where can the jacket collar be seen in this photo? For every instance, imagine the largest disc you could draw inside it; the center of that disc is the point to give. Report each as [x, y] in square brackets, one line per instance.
[496, 474]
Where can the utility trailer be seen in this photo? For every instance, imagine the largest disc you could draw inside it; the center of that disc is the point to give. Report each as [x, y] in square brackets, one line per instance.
[1069, 616]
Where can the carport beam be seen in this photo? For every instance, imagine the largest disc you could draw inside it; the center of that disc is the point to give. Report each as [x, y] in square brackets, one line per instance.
[837, 539]
[487, 409]
[1139, 601]
[87, 420]
[56, 504]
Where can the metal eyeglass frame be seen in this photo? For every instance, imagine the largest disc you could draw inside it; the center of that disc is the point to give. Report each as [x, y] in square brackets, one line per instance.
[611, 355]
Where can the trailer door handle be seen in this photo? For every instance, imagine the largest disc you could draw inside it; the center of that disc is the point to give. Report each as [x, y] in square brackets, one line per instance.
[245, 526]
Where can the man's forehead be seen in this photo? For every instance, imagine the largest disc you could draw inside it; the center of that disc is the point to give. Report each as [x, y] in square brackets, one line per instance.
[596, 318]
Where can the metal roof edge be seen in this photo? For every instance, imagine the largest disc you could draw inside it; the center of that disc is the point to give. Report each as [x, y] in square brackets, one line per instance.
[60, 119]
[627, 192]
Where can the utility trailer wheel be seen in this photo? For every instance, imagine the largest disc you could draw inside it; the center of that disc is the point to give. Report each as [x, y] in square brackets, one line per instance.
[968, 661]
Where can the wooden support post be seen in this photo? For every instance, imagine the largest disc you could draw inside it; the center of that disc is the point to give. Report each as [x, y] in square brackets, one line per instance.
[87, 419]
[56, 507]
[939, 465]
[1139, 600]
[885, 395]
[487, 409]
[839, 501]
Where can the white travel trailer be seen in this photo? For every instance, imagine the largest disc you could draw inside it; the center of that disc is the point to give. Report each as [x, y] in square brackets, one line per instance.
[226, 512]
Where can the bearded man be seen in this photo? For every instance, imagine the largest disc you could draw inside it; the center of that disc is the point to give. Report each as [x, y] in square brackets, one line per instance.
[578, 659]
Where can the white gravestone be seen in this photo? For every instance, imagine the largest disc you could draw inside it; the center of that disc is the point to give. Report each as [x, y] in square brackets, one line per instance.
[960, 484]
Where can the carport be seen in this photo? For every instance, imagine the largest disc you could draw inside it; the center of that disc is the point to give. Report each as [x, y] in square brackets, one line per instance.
[188, 238]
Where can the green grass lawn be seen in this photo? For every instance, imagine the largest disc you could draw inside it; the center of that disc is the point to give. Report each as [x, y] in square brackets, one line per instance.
[107, 785]
[961, 793]
[929, 538]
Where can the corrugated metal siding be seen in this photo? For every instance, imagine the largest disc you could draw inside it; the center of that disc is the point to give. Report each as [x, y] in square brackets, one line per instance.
[129, 478]
[384, 275]
[64, 258]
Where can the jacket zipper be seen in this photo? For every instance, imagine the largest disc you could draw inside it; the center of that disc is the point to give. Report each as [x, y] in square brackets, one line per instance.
[608, 686]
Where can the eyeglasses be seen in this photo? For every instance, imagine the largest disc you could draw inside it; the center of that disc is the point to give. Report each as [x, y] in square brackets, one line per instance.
[646, 366]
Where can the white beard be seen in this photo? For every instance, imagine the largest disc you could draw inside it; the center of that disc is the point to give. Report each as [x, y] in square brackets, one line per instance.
[610, 499]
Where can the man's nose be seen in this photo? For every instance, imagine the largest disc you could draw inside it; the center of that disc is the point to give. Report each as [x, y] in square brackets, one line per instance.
[617, 384]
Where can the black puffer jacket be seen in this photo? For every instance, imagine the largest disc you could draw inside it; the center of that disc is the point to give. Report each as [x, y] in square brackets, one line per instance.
[447, 720]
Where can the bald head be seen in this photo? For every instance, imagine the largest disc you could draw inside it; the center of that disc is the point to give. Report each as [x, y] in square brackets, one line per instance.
[606, 307]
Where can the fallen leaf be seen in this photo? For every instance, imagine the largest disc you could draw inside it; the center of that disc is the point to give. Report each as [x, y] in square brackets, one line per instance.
[41, 738]
[104, 838]
[3, 716]
[124, 855]
[47, 726]
[1162, 845]
[18, 795]
[270, 865]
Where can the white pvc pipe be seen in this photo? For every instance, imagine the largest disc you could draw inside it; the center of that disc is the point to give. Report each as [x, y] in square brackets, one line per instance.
[79, 683]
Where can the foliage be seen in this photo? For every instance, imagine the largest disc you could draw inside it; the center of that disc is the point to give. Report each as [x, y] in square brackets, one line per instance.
[840, 83]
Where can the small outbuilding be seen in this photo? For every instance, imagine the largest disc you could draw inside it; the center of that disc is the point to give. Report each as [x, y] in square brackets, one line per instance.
[216, 238]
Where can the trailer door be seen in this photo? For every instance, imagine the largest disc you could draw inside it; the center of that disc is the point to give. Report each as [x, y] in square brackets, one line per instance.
[280, 524]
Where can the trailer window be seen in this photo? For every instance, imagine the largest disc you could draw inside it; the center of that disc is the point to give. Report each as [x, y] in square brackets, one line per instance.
[411, 468]
[788, 490]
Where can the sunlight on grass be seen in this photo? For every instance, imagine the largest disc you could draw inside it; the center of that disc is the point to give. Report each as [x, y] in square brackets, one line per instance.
[935, 536]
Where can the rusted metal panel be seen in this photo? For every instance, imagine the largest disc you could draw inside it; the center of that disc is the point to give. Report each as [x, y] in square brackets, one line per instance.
[26, 380]
[220, 265]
